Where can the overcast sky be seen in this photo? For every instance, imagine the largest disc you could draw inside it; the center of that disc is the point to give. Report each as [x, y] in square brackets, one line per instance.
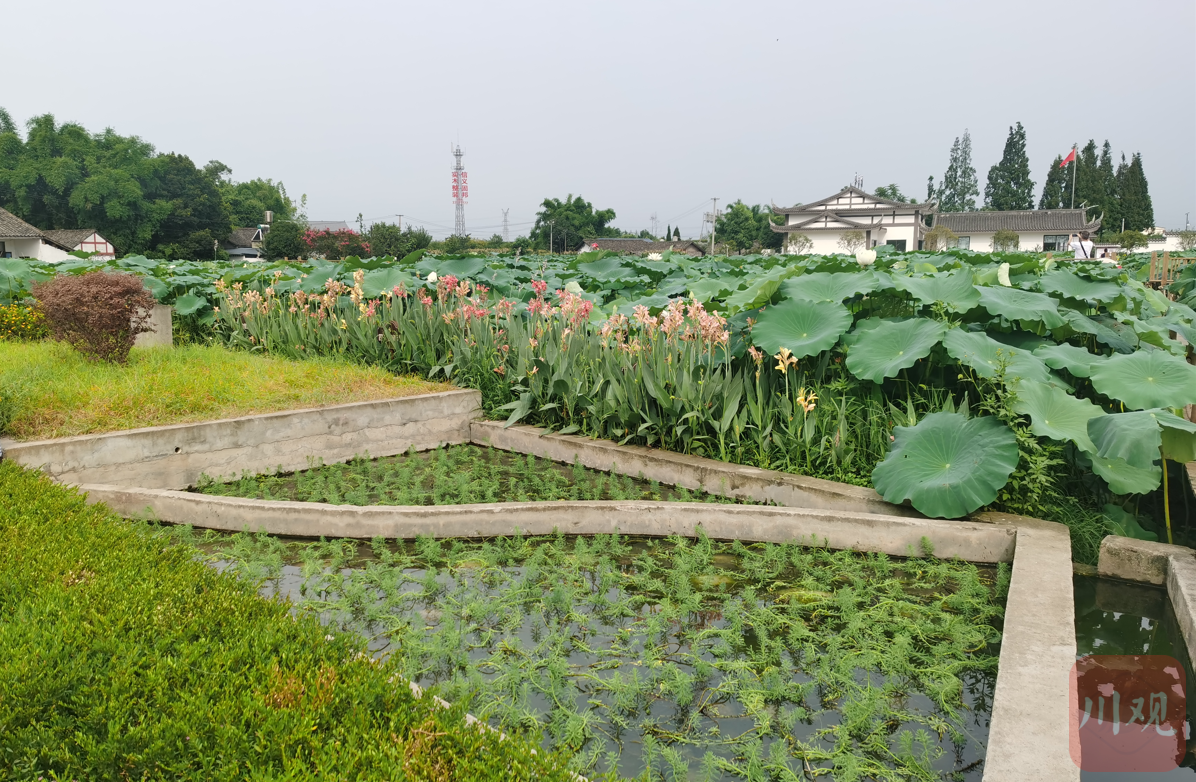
[643, 107]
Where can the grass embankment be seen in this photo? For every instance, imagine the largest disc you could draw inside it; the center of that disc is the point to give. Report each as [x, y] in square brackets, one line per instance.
[122, 657]
[48, 390]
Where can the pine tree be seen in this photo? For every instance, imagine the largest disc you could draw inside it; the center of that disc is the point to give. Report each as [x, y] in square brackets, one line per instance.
[668, 232]
[1090, 184]
[958, 190]
[1136, 206]
[1054, 186]
[1009, 184]
[1110, 207]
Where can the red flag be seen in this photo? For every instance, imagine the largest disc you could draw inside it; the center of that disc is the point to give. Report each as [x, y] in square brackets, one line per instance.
[1070, 157]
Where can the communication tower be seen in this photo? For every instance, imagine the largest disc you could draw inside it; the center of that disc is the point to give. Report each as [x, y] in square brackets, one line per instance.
[460, 191]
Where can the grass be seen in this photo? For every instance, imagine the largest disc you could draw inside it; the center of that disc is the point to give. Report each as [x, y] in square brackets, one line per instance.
[673, 659]
[122, 658]
[48, 390]
[455, 475]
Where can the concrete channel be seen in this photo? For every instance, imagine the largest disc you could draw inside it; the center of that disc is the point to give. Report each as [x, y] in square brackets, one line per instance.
[145, 473]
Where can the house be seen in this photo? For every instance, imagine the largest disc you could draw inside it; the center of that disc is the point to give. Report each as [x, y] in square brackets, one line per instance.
[833, 223]
[83, 240]
[642, 246]
[246, 242]
[19, 239]
[1038, 230]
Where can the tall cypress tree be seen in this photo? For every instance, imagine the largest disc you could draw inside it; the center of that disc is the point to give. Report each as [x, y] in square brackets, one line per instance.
[1054, 186]
[668, 232]
[958, 190]
[1009, 184]
[1111, 206]
[1136, 206]
[1090, 183]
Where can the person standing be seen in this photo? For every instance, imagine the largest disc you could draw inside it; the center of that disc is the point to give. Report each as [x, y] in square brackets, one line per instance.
[1083, 246]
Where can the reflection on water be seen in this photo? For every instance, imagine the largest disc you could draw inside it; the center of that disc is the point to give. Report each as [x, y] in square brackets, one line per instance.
[1114, 617]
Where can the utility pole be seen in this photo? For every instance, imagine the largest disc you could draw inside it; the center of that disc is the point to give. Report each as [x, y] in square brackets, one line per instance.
[550, 225]
[400, 223]
[1075, 165]
[712, 217]
[460, 190]
[655, 225]
[506, 235]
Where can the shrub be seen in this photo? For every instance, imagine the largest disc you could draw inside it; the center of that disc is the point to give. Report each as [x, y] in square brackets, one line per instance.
[20, 321]
[800, 244]
[98, 314]
[851, 241]
[1005, 240]
[335, 245]
[1187, 240]
[123, 657]
[939, 238]
[285, 240]
[1131, 240]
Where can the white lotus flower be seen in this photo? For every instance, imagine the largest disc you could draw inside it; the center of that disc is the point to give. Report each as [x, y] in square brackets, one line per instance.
[865, 257]
[1003, 275]
[573, 287]
[654, 256]
[431, 276]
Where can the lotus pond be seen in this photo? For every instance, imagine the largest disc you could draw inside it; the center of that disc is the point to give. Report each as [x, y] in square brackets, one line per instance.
[672, 658]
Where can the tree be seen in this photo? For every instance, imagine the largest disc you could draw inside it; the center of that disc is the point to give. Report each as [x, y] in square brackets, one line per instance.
[1110, 207]
[930, 191]
[1130, 240]
[1136, 207]
[1090, 184]
[456, 244]
[248, 202]
[799, 244]
[958, 189]
[389, 239]
[668, 232]
[285, 240]
[742, 227]
[568, 224]
[495, 241]
[851, 241]
[196, 216]
[1005, 240]
[1009, 185]
[1054, 186]
[939, 238]
[1187, 240]
[891, 193]
[676, 234]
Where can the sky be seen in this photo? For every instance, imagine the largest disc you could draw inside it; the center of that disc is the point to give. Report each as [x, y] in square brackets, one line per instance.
[648, 108]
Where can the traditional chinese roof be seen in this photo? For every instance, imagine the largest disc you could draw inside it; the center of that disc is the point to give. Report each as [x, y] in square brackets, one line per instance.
[241, 237]
[15, 227]
[70, 238]
[1045, 220]
[865, 201]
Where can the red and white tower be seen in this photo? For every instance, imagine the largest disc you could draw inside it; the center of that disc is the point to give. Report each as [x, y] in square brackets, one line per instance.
[460, 191]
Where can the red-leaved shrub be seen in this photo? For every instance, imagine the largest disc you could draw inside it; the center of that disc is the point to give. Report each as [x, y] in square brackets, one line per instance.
[99, 314]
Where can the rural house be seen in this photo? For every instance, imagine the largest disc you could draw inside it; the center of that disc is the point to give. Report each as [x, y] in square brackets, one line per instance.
[245, 242]
[1040, 230]
[19, 239]
[878, 220]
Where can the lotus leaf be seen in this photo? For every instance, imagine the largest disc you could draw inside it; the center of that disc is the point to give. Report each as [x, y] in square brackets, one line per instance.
[821, 286]
[461, 267]
[379, 280]
[878, 353]
[1073, 286]
[1014, 304]
[1124, 478]
[1146, 379]
[1082, 324]
[1133, 437]
[1077, 361]
[805, 328]
[189, 304]
[985, 355]
[947, 465]
[1055, 413]
[1125, 524]
[755, 295]
[954, 289]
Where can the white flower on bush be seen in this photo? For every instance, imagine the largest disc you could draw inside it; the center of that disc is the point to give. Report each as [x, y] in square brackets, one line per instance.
[654, 256]
[432, 277]
[573, 287]
[1003, 275]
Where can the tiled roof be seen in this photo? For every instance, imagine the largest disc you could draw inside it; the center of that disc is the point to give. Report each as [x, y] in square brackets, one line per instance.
[853, 191]
[645, 245]
[15, 227]
[240, 237]
[328, 225]
[69, 237]
[1045, 220]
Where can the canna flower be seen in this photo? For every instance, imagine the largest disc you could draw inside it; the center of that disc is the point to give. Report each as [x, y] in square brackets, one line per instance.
[500, 370]
[785, 360]
[756, 354]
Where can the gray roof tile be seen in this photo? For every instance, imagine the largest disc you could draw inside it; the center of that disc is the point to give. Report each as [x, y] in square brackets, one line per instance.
[1045, 220]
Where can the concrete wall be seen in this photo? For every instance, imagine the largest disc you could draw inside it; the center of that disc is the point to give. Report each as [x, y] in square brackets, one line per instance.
[162, 328]
[170, 457]
[692, 472]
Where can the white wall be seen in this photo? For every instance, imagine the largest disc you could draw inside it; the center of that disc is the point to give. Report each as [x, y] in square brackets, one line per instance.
[51, 254]
[22, 248]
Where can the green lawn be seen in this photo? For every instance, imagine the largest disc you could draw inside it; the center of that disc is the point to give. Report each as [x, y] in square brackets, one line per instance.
[122, 657]
[48, 390]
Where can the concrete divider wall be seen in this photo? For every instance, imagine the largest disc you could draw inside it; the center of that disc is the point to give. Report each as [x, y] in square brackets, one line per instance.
[174, 457]
[692, 472]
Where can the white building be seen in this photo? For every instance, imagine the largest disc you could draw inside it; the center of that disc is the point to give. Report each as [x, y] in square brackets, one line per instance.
[19, 239]
[851, 213]
[1038, 230]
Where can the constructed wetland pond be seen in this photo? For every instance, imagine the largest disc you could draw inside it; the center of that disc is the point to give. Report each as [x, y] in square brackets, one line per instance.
[690, 658]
